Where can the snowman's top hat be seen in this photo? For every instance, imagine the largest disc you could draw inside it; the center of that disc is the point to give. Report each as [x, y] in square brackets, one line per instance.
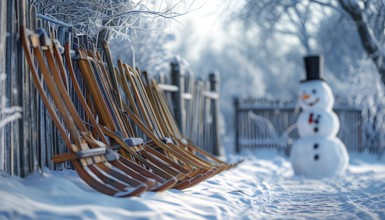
[313, 67]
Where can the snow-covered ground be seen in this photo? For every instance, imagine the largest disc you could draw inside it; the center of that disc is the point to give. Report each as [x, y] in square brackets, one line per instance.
[262, 187]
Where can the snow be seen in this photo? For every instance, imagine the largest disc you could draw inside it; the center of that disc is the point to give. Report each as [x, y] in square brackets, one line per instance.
[262, 187]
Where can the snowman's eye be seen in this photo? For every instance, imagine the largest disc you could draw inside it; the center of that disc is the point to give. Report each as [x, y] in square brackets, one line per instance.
[314, 91]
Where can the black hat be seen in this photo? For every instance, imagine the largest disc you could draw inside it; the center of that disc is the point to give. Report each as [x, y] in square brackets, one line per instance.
[313, 67]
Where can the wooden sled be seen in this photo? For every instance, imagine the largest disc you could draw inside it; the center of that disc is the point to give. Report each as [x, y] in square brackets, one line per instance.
[145, 110]
[96, 164]
[115, 128]
[148, 123]
[164, 183]
[159, 121]
[139, 172]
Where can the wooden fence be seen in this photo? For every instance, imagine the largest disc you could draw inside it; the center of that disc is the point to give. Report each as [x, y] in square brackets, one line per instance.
[29, 142]
[195, 105]
[262, 123]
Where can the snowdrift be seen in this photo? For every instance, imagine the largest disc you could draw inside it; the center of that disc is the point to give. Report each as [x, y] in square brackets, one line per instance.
[263, 187]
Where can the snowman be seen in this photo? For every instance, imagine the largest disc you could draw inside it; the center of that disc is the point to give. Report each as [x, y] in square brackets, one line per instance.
[318, 152]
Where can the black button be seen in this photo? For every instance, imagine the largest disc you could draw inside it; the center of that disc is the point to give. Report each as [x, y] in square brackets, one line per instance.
[316, 157]
[315, 146]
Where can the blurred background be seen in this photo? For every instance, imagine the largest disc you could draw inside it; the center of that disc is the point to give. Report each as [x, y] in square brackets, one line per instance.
[258, 47]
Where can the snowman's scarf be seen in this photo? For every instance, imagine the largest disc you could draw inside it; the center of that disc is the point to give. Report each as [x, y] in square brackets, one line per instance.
[311, 118]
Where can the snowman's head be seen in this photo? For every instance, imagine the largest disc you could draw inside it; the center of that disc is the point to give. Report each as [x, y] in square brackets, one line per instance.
[315, 94]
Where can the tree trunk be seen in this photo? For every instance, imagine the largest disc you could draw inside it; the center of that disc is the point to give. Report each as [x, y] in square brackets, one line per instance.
[371, 45]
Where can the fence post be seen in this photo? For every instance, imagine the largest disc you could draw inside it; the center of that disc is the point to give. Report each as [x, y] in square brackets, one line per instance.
[236, 121]
[177, 79]
[214, 87]
[14, 163]
[188, 105]
[3, 29]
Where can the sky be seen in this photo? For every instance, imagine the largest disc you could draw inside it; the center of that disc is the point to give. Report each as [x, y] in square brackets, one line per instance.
[204, 23]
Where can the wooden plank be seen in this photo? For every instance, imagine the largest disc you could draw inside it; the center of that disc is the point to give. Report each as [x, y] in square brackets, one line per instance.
[211, 95]
[168, 87]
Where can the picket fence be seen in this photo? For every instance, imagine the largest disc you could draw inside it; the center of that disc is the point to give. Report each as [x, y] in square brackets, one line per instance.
[265, 123]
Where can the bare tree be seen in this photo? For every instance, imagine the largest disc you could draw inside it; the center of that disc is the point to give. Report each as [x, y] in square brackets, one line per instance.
[294, 18]
[105, 19]
[371, 40]
[147, 49]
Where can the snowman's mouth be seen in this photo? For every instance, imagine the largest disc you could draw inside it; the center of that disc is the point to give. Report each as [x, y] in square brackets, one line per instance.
[312, 103]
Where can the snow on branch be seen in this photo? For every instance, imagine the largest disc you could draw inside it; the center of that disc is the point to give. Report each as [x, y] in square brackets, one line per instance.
[119, 17]
[294, 17]
[372, 46]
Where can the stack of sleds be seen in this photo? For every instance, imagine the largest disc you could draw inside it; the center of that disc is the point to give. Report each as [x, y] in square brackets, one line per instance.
[118, 104]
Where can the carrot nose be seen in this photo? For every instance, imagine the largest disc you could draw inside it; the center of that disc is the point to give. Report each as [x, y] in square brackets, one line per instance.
[306, 96]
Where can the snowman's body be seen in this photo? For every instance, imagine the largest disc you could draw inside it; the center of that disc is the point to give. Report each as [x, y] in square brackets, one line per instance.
[318, 152]
[319, 157]
[318, 123]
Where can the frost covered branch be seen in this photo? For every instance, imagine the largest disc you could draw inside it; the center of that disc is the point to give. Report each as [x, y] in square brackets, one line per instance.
[372, 46]
[120, 18]
[294, 17]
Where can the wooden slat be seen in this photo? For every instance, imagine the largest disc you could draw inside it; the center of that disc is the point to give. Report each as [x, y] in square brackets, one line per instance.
[168, 88]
